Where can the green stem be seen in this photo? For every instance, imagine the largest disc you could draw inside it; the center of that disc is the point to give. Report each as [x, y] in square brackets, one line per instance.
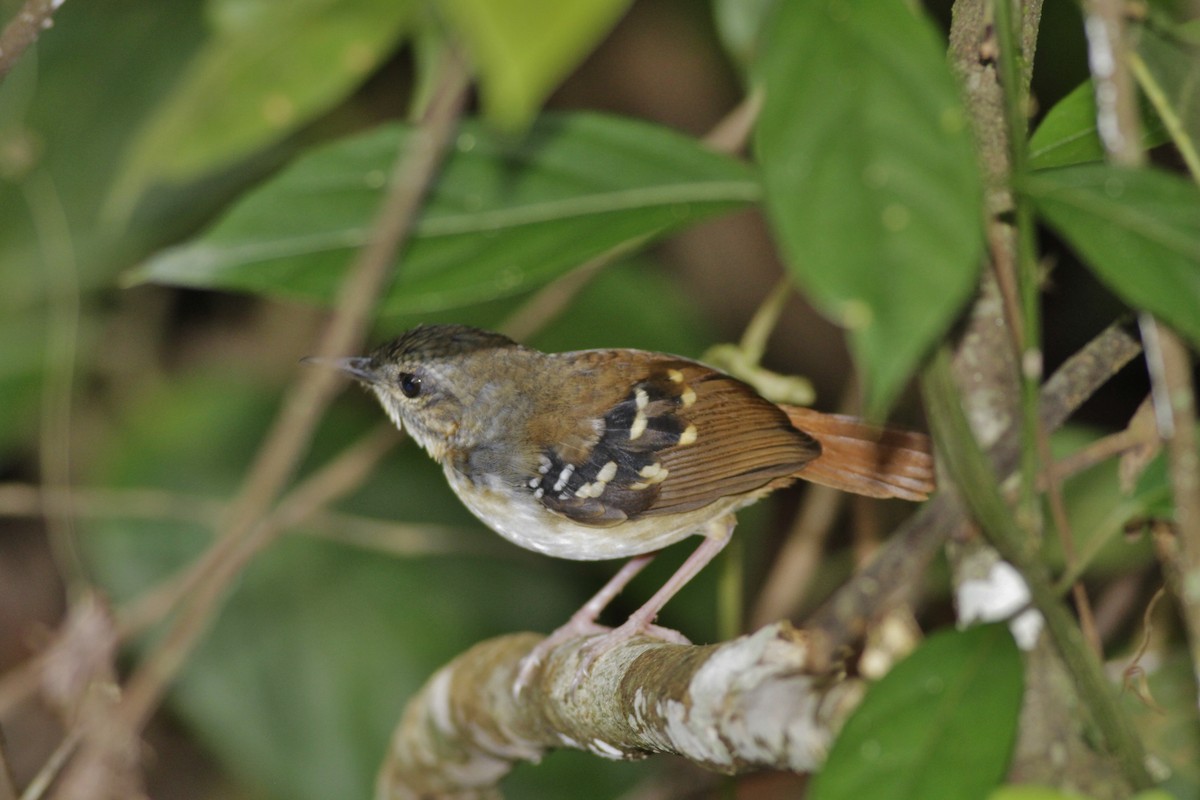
[1028, 338]
[976, 484]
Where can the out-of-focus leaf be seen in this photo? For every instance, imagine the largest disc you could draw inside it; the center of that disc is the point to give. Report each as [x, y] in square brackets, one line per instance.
[1171, 57]
[916, 735]
[503, 217]
[70, 103]
[524, 48]
[870, 176]
[267, 68]
[1137, 229]
[741, 24]
[1068, 134]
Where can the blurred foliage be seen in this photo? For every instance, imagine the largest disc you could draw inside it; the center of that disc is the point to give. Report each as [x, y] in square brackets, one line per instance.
[240, 147]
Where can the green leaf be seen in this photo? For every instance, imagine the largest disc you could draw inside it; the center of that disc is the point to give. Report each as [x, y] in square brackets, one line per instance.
[741, 24]
[267, 68]
[941, 724]
[870, 178]
[503, 217]
[524, 48]
[1137, 229]
[1067, 135]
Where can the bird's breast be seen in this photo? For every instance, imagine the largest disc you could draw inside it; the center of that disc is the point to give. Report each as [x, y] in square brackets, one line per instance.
[521, 519]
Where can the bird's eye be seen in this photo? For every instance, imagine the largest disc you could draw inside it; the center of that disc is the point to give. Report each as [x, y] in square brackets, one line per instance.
[410, 384]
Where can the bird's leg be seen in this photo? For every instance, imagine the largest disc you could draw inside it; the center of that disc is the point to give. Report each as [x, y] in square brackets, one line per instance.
[716, 536]
[640, 622]
[582, 622]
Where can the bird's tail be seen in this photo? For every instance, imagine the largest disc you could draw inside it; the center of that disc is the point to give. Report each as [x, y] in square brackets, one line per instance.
[866, 459]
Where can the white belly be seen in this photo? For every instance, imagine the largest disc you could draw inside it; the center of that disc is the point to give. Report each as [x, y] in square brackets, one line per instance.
[525, 522]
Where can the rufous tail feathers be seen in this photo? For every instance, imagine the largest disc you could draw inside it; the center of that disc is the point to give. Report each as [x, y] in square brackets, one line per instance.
[866, 459]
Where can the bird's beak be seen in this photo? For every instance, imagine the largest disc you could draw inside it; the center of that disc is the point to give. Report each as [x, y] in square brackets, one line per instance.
[359, 367]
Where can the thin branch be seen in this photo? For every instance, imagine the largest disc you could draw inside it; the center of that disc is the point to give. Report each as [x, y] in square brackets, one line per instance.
[896, 570]
[368, 533]
[23, 30]
[289, 436]
[1175, 413]
[204, 591]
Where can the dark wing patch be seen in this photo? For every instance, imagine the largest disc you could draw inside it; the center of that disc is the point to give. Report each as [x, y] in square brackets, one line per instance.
[682, 437]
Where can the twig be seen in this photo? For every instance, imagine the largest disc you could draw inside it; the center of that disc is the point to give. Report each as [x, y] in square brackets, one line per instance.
[396, 538]
[1117, 118]
[204, 591]
[53, 766]
[23, 30]
[1175, 413]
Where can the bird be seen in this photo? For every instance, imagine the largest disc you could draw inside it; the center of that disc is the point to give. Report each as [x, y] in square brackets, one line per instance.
[616, 453]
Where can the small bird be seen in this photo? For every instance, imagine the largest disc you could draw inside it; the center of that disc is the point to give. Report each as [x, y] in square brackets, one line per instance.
[604, 454]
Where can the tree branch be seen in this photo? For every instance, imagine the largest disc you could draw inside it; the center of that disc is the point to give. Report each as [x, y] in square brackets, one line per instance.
[747, 704]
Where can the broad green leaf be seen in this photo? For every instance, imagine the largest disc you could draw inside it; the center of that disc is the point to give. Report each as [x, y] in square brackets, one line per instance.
[524, 48]
[870, 177]
[502, 218]
[940, 725]
[267, 68]
[1137, 229]
[1068, 134]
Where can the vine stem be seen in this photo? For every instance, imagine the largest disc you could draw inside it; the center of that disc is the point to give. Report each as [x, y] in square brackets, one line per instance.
[977, 486]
